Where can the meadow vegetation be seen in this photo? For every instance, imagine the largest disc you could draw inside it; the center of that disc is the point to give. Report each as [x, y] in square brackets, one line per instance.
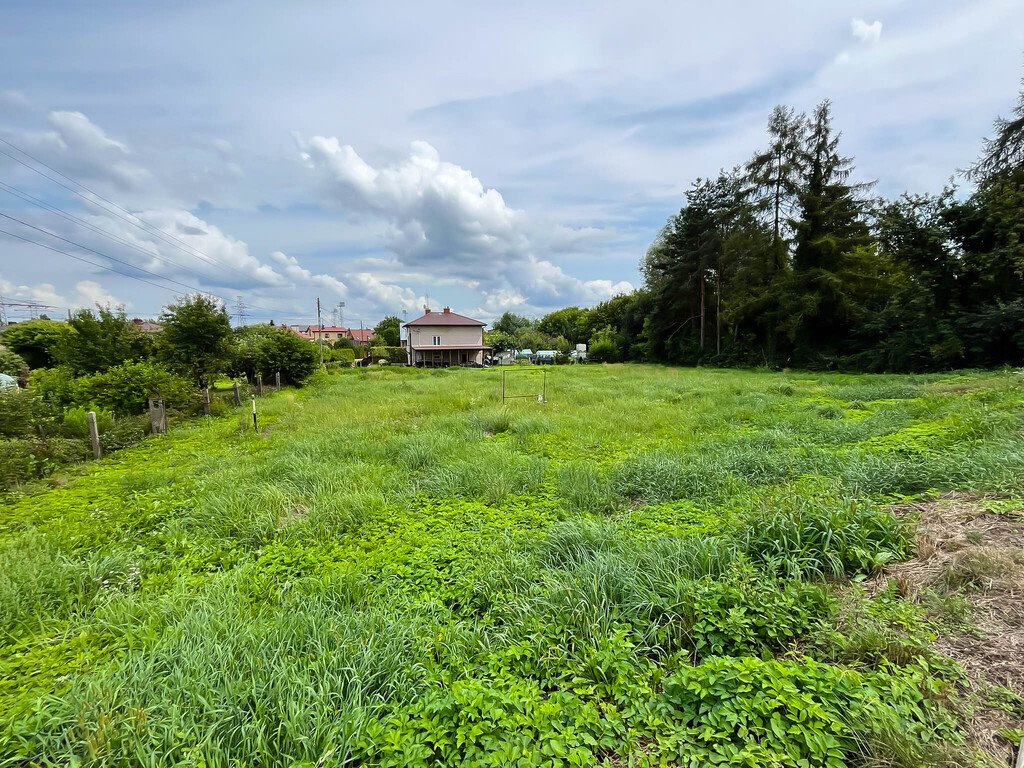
[655, 567]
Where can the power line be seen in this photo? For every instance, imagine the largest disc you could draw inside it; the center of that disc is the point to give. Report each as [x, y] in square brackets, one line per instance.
[107, 256]
[87, 261]
[127, 216]
[275, 313]
[36, 201]
[82, 222]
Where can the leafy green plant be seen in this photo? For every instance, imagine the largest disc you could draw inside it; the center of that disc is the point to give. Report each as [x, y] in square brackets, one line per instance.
[815, 540]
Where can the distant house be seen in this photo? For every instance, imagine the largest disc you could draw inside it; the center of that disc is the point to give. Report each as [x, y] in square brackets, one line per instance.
[147, 326]
[440, 339]
[329, 333]
[361, 336]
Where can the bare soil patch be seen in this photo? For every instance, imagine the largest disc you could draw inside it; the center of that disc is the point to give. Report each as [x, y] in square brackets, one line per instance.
[971, 547]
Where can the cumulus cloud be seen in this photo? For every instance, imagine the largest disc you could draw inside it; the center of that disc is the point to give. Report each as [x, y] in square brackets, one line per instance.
[866, 33]
[441, 218]
[43, 293]
[81, 149]
[290, 268]
[88, 293]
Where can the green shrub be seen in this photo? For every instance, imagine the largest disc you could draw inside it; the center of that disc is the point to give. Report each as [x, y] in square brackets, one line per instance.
[76, 422]
[124, 433]
[126, 389]
[395, 355]
[35, 340]
[343, 355]
[25, 459]
[265, 350]
[23, 413]
[56, 386]
[11, 363]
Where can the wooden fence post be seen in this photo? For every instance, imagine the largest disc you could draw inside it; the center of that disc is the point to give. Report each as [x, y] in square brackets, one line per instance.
[238, 395]
[277, 380]
[259, 384]
[157, 415]
[206, 400]
[94, 435]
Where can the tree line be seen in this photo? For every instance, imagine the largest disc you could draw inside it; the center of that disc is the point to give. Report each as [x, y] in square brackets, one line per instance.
[787, 260]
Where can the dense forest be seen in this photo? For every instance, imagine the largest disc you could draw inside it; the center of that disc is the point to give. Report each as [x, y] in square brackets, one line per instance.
[789, 261]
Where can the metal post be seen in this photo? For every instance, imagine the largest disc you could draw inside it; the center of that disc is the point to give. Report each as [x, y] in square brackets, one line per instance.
[157, 415]
[255, 425]
[277, 380]
[206, 400]
[238, 395]
[320, 337]
[94, 435]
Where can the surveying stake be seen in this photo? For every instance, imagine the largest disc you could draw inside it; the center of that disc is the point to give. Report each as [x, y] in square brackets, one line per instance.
[255, 426]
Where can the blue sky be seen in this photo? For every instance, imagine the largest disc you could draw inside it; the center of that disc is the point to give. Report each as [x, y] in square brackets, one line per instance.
[518, 157]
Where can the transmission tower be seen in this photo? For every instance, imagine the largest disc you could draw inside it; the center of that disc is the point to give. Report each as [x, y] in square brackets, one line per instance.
[240, 312]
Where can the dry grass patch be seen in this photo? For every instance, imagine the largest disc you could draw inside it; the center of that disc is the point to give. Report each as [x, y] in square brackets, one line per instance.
[970, 550]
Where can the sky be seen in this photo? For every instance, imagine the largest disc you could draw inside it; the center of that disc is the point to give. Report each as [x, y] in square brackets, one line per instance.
[489, 157]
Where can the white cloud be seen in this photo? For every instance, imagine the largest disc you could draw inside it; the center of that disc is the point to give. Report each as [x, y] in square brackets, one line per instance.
[89, 293]
[82, 150]
[43, 293]
[300, 276]
[441, 218]
[866, 33]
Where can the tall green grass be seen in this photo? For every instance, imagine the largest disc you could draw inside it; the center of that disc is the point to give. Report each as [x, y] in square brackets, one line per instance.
[399, 570]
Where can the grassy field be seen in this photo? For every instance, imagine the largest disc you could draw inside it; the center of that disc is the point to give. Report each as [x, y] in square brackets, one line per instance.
[655, 567]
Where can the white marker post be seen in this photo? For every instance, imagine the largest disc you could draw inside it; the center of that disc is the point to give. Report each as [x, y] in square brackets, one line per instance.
[255, 426]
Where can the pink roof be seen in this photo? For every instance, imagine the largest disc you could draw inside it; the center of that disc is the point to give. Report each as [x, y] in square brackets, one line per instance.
[444, 317]
[361, 334]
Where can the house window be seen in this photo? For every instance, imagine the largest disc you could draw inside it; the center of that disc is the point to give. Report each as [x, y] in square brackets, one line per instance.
[327, 335]
[437, 341]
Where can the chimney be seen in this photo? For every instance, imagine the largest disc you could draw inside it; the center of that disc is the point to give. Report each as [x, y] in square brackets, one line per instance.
[447, 310]
[426, 310]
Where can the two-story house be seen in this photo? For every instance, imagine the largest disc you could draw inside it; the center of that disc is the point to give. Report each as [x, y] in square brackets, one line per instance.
[439, 339]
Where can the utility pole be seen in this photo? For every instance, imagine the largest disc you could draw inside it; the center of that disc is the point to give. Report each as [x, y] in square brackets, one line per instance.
[702, 311]
[3, 313]
[320, 336]
[718, 311]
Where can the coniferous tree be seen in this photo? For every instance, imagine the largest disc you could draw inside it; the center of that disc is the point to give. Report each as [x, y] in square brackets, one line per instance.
[773, 176]
[831, 229]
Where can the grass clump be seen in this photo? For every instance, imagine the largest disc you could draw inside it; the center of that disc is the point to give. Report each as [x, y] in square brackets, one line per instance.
[815, 540]
[655, 477]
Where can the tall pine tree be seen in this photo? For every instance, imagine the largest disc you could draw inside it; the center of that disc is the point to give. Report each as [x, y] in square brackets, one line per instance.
[829, 236]
[773, 176]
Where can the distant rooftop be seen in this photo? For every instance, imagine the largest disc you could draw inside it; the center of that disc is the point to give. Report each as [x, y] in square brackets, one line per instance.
[444, 317]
